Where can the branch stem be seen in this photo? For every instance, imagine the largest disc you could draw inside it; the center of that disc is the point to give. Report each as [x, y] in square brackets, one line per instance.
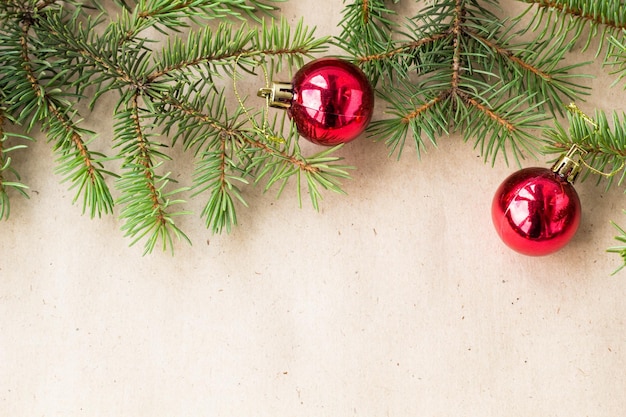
[510, 55]
[403, 48]
[40, 92]
[190, 111]
[144, 159]
[575, 12]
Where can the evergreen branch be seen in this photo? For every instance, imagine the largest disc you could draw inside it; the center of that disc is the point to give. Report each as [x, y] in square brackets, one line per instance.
[225, 47]
[233, 152]
[279, 42]
[277, 165]
[28, 8]
[366, 19]
[218, 147]
[397, 60]
[105, 57]
[420, 110]
[581, 20]
[412, 114]
[505, 125]
[193, 114]
[172, 13]
[534, 67]
[143, 195]
[367, 28]
[372, 44]
[52, 47]
[603, 138]
[621, 248]
[218, 171]
[617, 56]
[405, 48]
[205, 48]
[77, 163]
[456, 31]
[125, 6]
[6, 169]
[463, 55]
[608, 12]
[195, 127]
[253, 153]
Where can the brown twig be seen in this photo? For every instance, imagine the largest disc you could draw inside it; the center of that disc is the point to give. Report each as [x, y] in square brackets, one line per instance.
[563, 9]
[409, 46]
[75, 137]
[188, 110]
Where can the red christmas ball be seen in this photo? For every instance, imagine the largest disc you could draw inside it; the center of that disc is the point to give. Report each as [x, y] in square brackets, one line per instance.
[329, 99]
[536, 211]
[332, 101]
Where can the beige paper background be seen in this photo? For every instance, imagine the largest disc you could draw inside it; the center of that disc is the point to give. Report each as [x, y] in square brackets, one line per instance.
[395, 300]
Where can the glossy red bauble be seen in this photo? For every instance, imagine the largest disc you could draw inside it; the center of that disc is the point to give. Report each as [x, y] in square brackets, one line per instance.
[332, 101]
[535, 211]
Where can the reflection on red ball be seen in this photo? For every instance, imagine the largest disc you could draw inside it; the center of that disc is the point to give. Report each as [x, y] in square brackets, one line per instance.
[535, 211]
[333, 101]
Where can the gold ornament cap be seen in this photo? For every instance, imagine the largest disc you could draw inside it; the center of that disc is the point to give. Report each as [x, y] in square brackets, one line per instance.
[568, 166]
[279, 94]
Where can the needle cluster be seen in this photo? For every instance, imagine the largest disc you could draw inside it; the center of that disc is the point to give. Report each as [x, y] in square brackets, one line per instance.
[455, 66]
[58, 59]
[464, 66]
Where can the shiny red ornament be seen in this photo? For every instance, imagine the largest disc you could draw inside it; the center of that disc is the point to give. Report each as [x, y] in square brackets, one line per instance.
[536, 211]
[330, 100]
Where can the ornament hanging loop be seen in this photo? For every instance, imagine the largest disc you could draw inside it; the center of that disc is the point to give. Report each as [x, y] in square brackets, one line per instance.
[568, 166]
[278, 95]
[573, 108]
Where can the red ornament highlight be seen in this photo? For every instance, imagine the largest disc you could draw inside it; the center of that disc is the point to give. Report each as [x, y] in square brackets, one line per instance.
[536, 211]
[330, 100]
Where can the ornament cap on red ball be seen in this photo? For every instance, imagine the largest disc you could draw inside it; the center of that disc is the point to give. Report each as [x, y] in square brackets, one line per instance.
[330, 100]
[536, 211]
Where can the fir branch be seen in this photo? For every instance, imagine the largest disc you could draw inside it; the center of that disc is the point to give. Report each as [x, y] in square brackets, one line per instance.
[617, 57]
[621, 248]
[504, 126]
[366, 18]
[231, 153]
[217, 146]
[172, 13]
[608, 12]
[54, 47]
[366, 32]
[218, 171]
[7, 170]
[144, 198]
[278, 43]
[602, 137]
[571, 21]
[206, 52]
[182, 118]
[405, 48]
[464, 54]
[96, 59]
[276, 163]
[205, 48]
[412, 113]
[39, 103]
[535, 68]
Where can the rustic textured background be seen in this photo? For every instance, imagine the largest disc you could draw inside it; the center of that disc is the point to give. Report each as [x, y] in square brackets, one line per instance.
[395, 300]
